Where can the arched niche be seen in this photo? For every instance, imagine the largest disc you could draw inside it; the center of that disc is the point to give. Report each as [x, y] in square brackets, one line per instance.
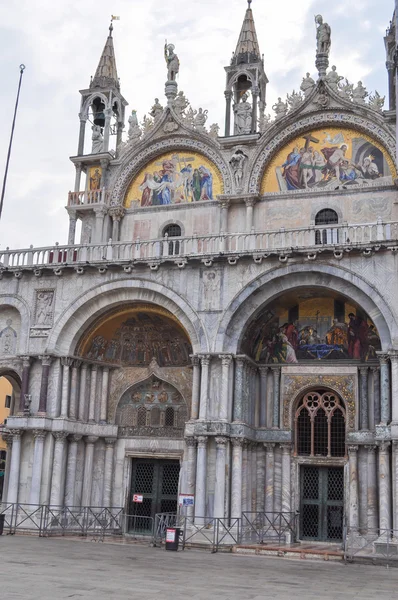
[311, 324]
[133, 335]
[152, 407]
[10, 331]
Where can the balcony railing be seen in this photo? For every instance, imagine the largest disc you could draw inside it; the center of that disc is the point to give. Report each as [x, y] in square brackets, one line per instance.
[283, 242]
[88, 197]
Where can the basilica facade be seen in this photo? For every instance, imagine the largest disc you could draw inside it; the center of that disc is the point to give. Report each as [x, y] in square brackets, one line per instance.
[222, 323]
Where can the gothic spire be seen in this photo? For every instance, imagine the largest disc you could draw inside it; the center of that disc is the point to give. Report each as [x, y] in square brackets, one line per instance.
[106, 73]
[247, 48]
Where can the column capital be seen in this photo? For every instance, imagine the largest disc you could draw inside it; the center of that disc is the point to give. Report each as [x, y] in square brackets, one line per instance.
[94, 367]
[221, 441]
[374, 368]
[250, 202]
[16, 433]
[352, 449]
[370, 447]
[91, 439]
[39, 434]
[237, 442]
[286, 447]
[263, 370]
[46, 360]
[195, 360]
[395, 444]
[7, 437]
[106, 369]
[383, 357]
[75, 438]
[191, 441]
[275, 369]
[100, 211]
[363, 370]
[66, 361]
[228, 94]
[226, 359]
[393, 354]
[26, 361]
[205, 359]
[269, 446]
[384, 446]
[202, 441]
[110, 441]
[60, 436]
[72, 213]
[117, 212]
[76, 363]
[224, 201]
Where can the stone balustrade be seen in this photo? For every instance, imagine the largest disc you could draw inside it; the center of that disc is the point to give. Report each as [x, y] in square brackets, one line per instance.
[88, 197]
[366, 237]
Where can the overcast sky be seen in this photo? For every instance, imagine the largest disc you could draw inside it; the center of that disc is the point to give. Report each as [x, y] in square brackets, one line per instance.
[60, 43]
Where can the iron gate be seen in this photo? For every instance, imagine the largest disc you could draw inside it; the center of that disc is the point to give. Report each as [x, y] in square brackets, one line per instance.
[322, 503]
[157, 482]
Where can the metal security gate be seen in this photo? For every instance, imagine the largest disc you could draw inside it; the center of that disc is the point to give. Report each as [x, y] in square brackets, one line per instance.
[322, 504]
[157, 482]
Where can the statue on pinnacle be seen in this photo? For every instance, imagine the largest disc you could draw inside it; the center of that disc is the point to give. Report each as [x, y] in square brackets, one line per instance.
[323, 43]
[172, 61]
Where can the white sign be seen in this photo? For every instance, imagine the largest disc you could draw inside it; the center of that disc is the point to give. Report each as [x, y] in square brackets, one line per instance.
[186, 500]
[170, 535]
[138, 498]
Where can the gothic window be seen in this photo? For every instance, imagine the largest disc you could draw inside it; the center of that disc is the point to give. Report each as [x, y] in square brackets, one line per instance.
[155, 416]
[173, 231]
[169, 417]
[320, 426]
[141, 416]
[323, 234]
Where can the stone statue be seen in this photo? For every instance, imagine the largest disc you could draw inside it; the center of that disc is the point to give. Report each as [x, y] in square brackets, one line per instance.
[243, 116]
[280, 108]
[333, 78]
[346, 88]
[238, 162]
[180, 104]
[294, 99]
[173, 64]
[147, 124]
[214, 131]
[307, 85]
[264, 122]
[190, 116]
[200, 120]
[8, 339]
[359, 93]
[156, 110]
[323, 36]
[98, 140]
[134, 131]
[376, 102]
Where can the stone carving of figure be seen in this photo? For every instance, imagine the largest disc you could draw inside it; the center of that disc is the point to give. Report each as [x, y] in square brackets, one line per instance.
[180, 103]
[211, 285]
[307, 85]
[134, 131]
[280, 108]
[214, 131]
[156, 110]
[359, 93]
[333, 78]
[238, 162]
[294, 99]
[376, 102]
[147, 124]
[44, 308]
[346, 89]
[200, 120]
[173, 64]
[243, 116]
[323, 36]
[264, 122]
[8, 339]
[97, 139]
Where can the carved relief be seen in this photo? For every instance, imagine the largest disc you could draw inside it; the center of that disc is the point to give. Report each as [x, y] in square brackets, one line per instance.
[44, 309]
[8, 339]
[211, 289]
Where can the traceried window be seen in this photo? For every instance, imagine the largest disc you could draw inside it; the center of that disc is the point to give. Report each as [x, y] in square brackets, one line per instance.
[320, 425]
[324, 234]
[173, 231]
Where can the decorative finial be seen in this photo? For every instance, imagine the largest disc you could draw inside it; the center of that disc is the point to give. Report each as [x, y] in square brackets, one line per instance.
[249, 3]
[113, 18]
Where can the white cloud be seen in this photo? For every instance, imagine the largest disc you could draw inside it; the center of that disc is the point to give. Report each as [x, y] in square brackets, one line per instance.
[61, 42]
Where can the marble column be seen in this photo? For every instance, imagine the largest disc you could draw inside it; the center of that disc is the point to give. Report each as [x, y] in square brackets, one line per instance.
[376, 394]
[391, 70]
[394, 385]
[88, 470]
[93, 394]
[224, 204]
[45, 373]
[269, 476]
[108, 471]
[363, 397]
[226, 361]
[70, 485]
[82, 392]
[24, 382]
[260, 478]
[253, 505]
[195, 387]
[100, 213]
[204, 387]
[13, 482]
[395, 479]
[263, 395]
[245, 491]
[286, 478]
[80, 149]
[353, 513]
[57, 471]
[66, 365]
[7, 437]
[384, 486]
[373, 518]
[74, 390]
[236, 491]
[104, 395]
[117, 213]
[228, 98]
[363, 488]
[238, 396]
[39, 436]
[250, 202]
[201, 473]
[72, 227]
[276, 374]
[191, 444]
[219, 494]
[384, 388]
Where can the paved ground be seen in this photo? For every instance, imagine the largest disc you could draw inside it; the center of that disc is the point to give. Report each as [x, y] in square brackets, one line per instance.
[35, 568]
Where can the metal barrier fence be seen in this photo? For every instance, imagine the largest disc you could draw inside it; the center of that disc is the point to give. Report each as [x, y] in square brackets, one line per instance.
[372, 545]
[262, 527]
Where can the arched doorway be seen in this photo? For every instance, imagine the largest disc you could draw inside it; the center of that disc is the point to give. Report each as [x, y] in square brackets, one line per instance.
[9, 404]
[320, 449]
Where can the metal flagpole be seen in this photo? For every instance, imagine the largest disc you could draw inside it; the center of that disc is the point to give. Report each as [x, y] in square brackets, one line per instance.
[21, 70]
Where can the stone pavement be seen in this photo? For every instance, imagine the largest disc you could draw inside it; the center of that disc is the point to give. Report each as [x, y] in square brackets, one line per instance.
[35, 568]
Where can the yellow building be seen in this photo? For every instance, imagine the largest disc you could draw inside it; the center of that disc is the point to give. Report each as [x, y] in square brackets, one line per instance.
[5, 404]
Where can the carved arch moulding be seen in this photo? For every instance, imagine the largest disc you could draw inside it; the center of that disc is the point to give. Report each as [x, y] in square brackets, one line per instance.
[126, 173]
[322, 119]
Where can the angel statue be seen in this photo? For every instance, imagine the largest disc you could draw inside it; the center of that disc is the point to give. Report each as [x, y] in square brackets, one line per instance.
[323, 36]
[171, 58]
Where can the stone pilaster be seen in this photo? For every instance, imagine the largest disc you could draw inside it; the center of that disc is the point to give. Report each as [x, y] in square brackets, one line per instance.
[269, 476]
[363, 488]
[276, 372]
[219, 495]
[245, 490]
[286, 478]
[72, 227]
[201, 475]
[57, 473]
[363, 397]
[88, 470]
[191, 445]
[204, 387]
[385, 401]
[82, 392]
[249, 202]
[195, 387]
[238, 396]
[100, 212]
[70, 484]
[237, 466]
[117, 213]
[353, 512]
[384, 486]
[376, 394]
[66, 365]
[93, 394]
[26, 360]
[263, 395]
[226, 361]
[260, 478]
[108, 471]
[45, 372]
[37, 467]
[13, 482]
[373, 519]
[74, 390]
[104, 395]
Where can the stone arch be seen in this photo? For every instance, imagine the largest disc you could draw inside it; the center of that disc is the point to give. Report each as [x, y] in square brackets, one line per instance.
[132, 165]
[12, 372]
[274, 140]
[100, 299]
[323, 204]
[22, 307]
[268, 286]
[89, 100]
[165, 224]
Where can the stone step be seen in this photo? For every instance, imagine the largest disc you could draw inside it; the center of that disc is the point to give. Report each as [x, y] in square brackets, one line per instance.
[307, 551]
